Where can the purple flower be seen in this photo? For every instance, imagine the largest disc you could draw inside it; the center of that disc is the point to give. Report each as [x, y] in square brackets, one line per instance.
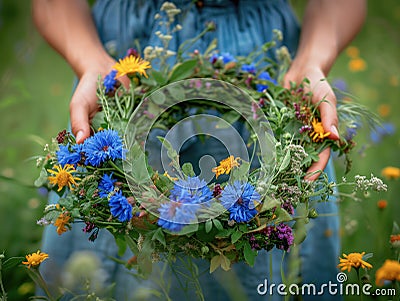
[239, 199]
[120, 207]
[281, 235]
[109, 81]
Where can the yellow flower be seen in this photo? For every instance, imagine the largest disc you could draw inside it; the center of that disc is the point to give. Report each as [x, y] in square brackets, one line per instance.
[389, 271]
[34, 259]
[61, 223]
[225, 166]
[318, 133]
[63, 176]
[353, 260]
[384, 110]
[391, 172]
[357, 64]
[352, 52]
[130, 65]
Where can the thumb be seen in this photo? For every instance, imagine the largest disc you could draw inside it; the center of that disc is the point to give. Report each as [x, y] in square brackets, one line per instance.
[327, 109]
[79, 120]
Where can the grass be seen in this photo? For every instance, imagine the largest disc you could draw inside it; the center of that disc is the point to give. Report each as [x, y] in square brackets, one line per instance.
[35, 87]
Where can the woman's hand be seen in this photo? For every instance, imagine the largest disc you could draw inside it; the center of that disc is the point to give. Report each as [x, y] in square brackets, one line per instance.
[321, 90]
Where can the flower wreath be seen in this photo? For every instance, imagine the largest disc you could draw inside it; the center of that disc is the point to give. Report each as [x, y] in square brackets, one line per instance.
[107, 182]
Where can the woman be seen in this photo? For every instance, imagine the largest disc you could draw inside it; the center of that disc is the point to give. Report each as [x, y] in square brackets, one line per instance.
[90, 41]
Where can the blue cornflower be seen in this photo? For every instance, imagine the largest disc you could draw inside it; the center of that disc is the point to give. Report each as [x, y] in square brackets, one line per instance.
[386, 129]
[120, 207]
[264, 76]
[109, 81]
[175, 215]
[106, 185]
[186, 197]
[192, 190]
[69, 155]
[239, 199]
[103, 146]
[249, 68]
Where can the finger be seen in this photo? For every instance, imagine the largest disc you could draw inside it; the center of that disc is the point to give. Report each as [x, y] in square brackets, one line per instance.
[327, 109]
[79, 121]
[317, 167]
[80, 110]
[125, 81]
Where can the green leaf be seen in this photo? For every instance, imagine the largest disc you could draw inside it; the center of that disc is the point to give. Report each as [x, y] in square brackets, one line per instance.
[131, 244]
[159, 235]
[215, 263]
[121, 244]
[236, 236]
[177, 92]
[158, 97]
[189, 229]
[249, 254]
[12, 262]
[225, 263]
[182, 71]
[158, 77]
[144, 257]
[368, 256]
[187, 169]
[208, 226]
[218, 224]
[285, 162]
[282, 215]
[66, 202]
[42, 180]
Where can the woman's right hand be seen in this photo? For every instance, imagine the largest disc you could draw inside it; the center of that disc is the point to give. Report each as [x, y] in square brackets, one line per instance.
[84, 103]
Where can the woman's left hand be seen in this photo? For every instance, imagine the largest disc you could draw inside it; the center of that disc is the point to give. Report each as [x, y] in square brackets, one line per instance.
[321, 90]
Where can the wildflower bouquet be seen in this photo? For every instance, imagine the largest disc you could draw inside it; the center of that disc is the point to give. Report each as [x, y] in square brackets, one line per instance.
[253, 198]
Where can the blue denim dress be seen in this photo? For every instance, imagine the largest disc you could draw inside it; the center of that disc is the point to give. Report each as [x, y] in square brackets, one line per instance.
[241, 26]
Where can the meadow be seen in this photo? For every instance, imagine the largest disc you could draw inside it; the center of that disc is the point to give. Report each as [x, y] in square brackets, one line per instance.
[35, 88]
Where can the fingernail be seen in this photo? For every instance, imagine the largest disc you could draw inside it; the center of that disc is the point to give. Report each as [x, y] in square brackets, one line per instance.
[79, 136]
[334, 131]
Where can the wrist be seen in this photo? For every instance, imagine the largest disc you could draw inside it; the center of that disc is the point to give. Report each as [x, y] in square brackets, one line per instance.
[98, 61]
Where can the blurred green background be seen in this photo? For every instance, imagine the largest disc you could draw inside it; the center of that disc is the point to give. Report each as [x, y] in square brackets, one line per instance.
[35, 86]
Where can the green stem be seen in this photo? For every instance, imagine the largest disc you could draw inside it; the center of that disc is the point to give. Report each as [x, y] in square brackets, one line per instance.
[38, 279]
[3, 291]
[359, 282]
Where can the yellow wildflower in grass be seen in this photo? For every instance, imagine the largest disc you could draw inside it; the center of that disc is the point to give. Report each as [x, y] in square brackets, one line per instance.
[394, 81]
[353, 52]
[63, 176]
[318, 133]
[384, 110]
[357, 64]
[390, 270]
[131, 65]
[225, 166]
[61, 223]
[353, 260]
[35, 259]
[391, 172]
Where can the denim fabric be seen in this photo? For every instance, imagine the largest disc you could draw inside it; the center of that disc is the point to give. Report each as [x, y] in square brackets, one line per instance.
[241, 26]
